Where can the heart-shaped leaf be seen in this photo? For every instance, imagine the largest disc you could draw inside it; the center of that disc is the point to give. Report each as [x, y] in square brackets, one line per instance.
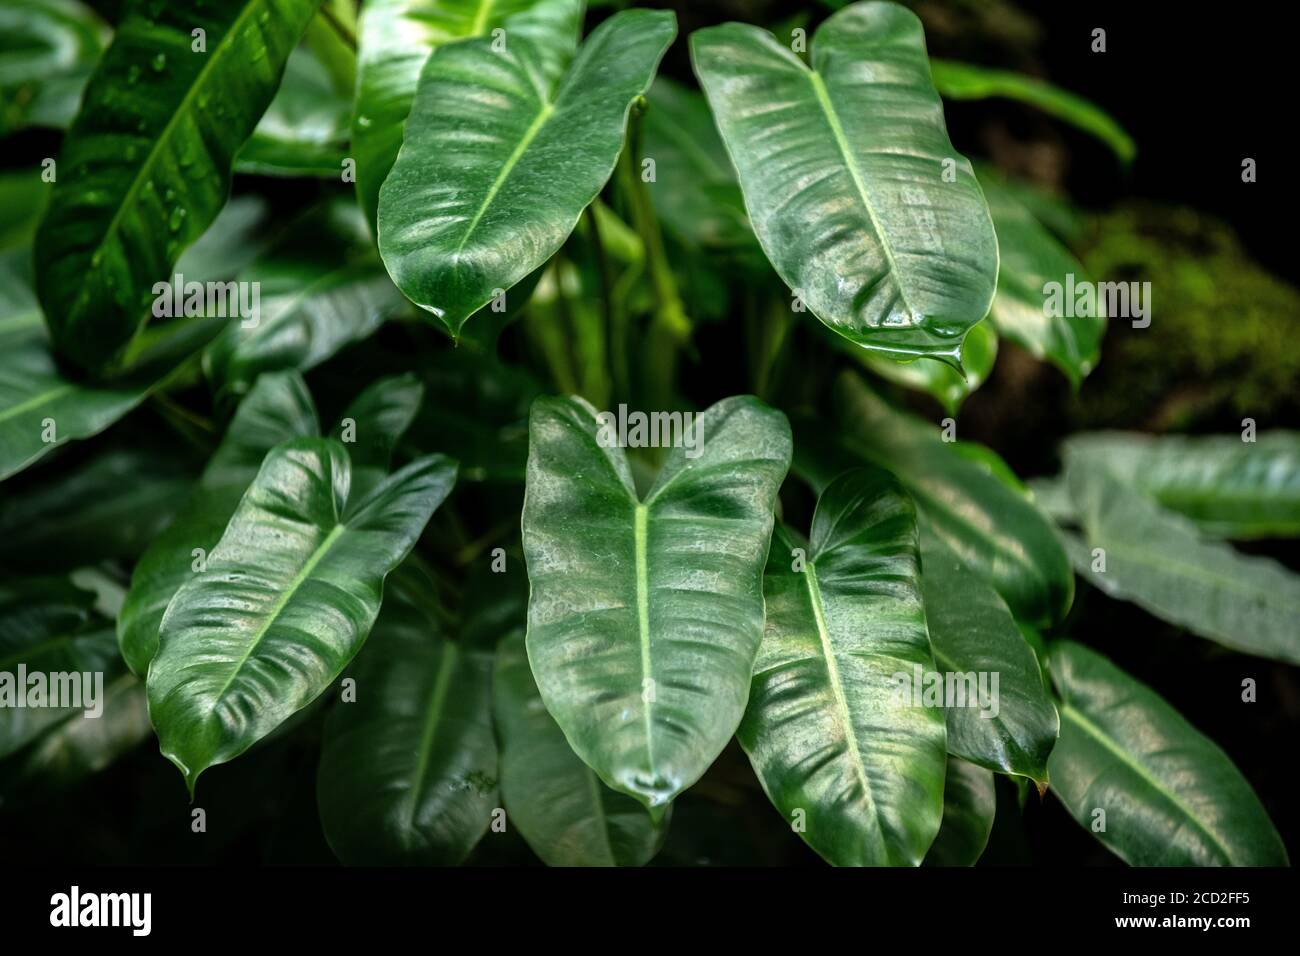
[854, 764]
[858, 197]
[501, 158]
[145, 167]
[646, 611]
[287, 599]
[1165, 794]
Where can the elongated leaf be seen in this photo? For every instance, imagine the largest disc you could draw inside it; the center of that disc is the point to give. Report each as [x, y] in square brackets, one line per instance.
[858, 197]
[969, 805]
[501, 157]
[276, 410]
[558, 803]
[314, 299]
[1156, 559]
[373, 425]
[950, 387]
[408, 772]
[145, 167]
[49, 49]
[1171, 797]
[1009, 726]
[646, 612]
[304, 131]
[966, 81]
[396, 39]
[1031, 258]
[287, 599]
[1230, 488]
[992, 527]
[834, 743]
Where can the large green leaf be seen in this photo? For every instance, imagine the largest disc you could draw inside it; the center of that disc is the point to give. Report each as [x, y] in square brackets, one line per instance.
[966, 81]
[558, 803]
[858, 197]
[503, 153]
[1031, 258]
[1229, 487]
[408, 771]
[991, 526]
[947, 385]
[969, 806]
[646, 611]
[852, 763]
[1170, 796]
[972, 633]
[145, 167]
[1157, 559]
[47, 50]
[396, 39]
[276, 410]
[287, 599]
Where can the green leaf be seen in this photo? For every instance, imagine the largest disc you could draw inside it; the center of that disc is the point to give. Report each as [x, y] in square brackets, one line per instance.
[969, 805]
[844, 168]
[1031, 258]
[396, 39]
[22, 203]
[1171, 797]
[373, 425]
[145, 167]
[49, 49]
[836, 746]
[478, 198]
[314, 298]
[992, 527]
[559, 805]
[408, 770]
[304, 131]
[966, 81]
[287, 599]
[1231, 488]
[646, 612]
[975, 638]
[948, 386]
[1158, 560]
[277, 409]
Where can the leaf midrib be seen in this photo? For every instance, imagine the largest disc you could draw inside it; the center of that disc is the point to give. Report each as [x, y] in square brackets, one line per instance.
[432, 717]
[643, 625]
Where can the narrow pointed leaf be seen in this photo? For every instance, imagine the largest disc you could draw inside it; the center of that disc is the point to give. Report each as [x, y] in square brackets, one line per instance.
[499, 160]
[1171, 797]
[1014, 727]
[1157, 559]
[277, 409]
[845, 170]
[145, 167]
[826, 729]
[969, 806]
[561, 808]
[408, 770]
[373, 425]
[646, 612]
[396, 38]
[287, 599]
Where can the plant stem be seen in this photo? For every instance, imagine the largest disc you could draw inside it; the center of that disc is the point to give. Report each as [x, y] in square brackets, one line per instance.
[615, 321]
[342, 29]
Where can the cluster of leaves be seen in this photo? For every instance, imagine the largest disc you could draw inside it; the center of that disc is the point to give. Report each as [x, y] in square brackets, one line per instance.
[573, 224]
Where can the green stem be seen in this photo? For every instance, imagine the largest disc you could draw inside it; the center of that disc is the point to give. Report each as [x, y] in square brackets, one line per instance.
[615, 319]
[338, 26]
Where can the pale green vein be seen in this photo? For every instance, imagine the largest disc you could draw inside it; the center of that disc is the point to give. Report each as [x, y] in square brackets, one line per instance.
[643, 627]
[436, 702]
[36, 400]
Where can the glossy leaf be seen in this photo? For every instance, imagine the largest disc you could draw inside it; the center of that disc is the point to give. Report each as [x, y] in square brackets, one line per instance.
[408, 772]
[858, 197]
[991, 526]
[1171, 797]
[1013, 727]
[646, 611]
[49, 49]
[396, 39]
[502, 154]
[948, 386]
[1032, 258]
[559, 805]
[278, 409]
[835, 744]
[1229, 487]
[966, 81]
[287, 599]
[146, 165]
[969, 806]
[1158, 560]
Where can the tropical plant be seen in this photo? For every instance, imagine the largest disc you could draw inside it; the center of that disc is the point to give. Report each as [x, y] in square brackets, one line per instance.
[528, 427]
